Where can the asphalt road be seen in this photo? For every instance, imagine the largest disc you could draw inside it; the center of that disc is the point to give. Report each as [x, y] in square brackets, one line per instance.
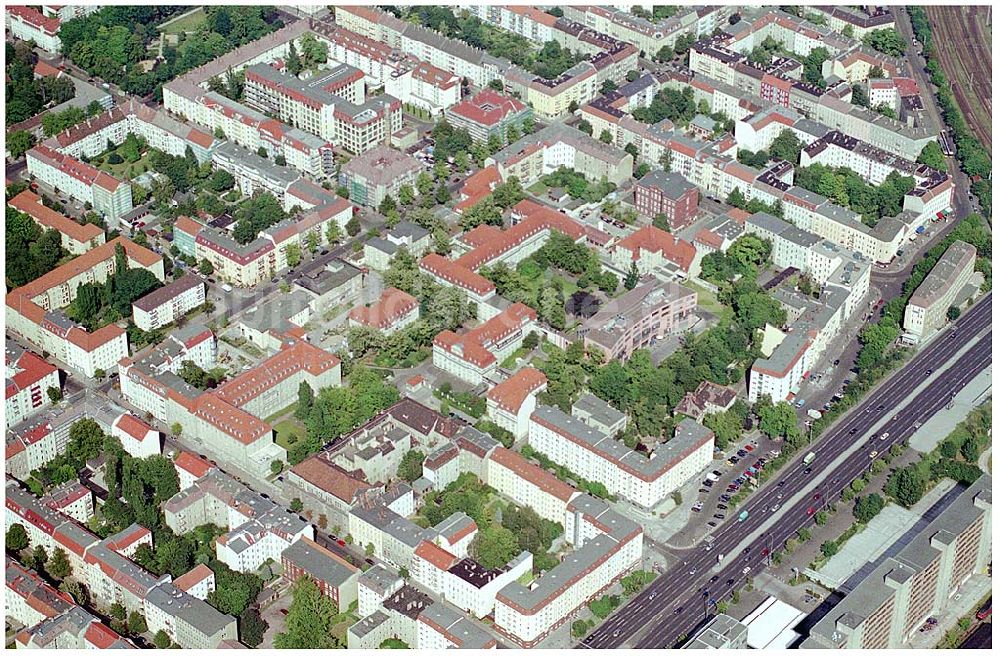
[680, 600]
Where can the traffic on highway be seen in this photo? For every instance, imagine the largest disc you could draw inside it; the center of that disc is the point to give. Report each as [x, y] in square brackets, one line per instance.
[704, 577]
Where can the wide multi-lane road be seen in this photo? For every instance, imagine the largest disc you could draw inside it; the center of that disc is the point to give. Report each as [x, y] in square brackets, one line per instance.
[680, 600]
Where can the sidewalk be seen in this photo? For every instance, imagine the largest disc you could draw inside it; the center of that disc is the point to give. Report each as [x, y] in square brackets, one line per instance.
[963, 602]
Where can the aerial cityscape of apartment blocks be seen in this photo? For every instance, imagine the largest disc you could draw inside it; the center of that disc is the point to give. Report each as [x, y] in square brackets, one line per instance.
[491, 327]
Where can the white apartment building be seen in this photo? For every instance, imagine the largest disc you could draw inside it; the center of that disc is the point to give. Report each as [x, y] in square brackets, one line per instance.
[474, 355]
[928, 307]
[169, 303]
[597, 456]
[137, 438]
[510, 403]
[527, 484]
[29, 378]
[86, 184]
[28, 24]
[607, 545]
[462, 581]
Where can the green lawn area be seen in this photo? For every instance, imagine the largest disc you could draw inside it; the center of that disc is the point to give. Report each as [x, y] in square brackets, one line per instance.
[126, 170]
[706, 298]
[511, 361]
[187, 23]
[288, 432]
[539, 188]
[282, 413]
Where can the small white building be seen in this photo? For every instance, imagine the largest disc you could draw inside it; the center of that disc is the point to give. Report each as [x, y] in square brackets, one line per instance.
[510, 403]
[169, 303]
[137, 438]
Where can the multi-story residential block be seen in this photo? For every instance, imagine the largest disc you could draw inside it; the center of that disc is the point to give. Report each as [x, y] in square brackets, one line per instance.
[476, 354]
[462, 581]
[190, 468]
[489, 113]
[198, 582]
[189, 621]
[137, 438]
[607, 545]
[339, 283]
[29, 24]
[229, 416]
[267, 326]
[510, 403]
[394, 310]
[336, 578]
[558, 145]
[378, 173]
[28, 380]
[71, 499]
[598, 456]
[76, 238]
[928, 307]
[634, 320]
[527, 484]
[404, 236]
[654, 251]
[169, 303]
[861, 20]
[330, 105]
[667, 194]
[34, 310]
[886, 608]
[83, 182]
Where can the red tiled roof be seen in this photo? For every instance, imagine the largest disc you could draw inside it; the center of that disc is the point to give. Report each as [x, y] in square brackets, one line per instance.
[36, 18]
[906, 86]
[488, 107]
[198, 574]
[391, 306]
[133, 426]
[187, 225]
[475, 344]
[492, 244]
[31, 204]
[435, 554]
[477, 187]
[200, 138]
[43, 69]
[189, 462]
[455, 274]
[510, 394]
[294, 357]
[100, 635]
[331, 478]
[30, 369]
[652, 239]
[230, 419]
[532, 473]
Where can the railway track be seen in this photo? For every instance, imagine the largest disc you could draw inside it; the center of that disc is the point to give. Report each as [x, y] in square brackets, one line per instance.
[963, 52]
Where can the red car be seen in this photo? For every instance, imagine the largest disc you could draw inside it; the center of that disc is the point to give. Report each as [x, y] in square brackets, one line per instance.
[810, 511]
[341, 543]
[816, 496]
[764, 552]
[748, 447]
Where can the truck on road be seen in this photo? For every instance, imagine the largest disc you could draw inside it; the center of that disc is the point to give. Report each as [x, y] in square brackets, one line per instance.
[810, 457]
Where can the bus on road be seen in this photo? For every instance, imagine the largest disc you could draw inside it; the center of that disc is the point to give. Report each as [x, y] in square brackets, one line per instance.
[810, 457]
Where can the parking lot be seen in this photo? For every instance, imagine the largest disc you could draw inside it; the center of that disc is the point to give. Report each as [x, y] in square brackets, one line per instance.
[732, 474]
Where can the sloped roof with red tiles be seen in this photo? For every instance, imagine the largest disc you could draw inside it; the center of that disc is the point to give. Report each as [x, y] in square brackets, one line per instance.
[436, 555]
[477, 187]
[488, 107]
[29, 369]
[534, 474]
[230, 419]
[391, 306]
[474, 346]
[193, 464]
[510, 394]
[34, 17]
[44, 69]
[133, 426]
[655, 240]
[31, 204]
[457, 275]
[198, 574]
[101, 636]
[331, 478]
[294, 357]
[187, 225]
